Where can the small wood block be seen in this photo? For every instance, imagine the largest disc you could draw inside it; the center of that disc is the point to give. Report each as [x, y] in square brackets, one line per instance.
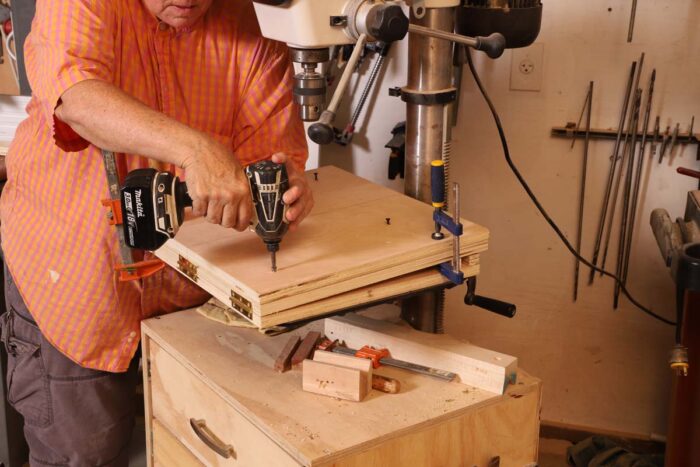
[284, 360]
[384, 384]
[333, 381]
[347, 361]
[306, 348]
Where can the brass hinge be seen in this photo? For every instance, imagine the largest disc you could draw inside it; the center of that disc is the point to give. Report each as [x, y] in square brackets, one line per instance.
[187, 268]
[241, 305]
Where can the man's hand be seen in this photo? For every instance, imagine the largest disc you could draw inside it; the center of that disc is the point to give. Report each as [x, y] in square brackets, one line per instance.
[218, 186]
[298, 197]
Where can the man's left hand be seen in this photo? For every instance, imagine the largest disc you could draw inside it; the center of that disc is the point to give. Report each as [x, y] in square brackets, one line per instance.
[298, 197]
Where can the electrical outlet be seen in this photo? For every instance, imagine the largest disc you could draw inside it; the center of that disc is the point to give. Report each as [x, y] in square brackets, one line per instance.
[527, 68]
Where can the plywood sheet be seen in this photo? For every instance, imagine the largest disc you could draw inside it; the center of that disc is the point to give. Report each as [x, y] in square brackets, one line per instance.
[358, 234]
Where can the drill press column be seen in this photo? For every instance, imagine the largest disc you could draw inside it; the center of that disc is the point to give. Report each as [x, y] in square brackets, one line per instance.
[429, 71]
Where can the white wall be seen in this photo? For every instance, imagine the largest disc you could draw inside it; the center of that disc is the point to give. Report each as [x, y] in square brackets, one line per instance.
[601, 368]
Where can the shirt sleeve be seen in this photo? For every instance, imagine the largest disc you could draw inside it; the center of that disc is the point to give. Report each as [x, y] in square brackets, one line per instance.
[70, 41]
[267, 119]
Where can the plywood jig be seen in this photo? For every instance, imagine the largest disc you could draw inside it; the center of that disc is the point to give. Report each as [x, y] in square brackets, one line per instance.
[362, 242]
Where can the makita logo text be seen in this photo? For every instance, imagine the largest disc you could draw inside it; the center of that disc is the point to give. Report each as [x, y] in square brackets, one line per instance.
[139, 204]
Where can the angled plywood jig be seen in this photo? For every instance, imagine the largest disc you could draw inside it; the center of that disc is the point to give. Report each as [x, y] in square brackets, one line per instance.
[361, 243]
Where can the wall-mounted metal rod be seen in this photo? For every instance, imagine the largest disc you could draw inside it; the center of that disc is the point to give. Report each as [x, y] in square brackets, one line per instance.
[633, 14]
[587, 107]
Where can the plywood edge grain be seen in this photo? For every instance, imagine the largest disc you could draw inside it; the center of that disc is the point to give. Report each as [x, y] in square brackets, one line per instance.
[358, 277]
[388, 289]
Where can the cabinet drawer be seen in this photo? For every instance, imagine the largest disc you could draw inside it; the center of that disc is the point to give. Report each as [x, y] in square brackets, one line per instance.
[215, 432]
[168, 451]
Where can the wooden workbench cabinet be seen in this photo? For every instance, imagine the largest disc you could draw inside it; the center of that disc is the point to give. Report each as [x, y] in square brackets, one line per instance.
[204, 377]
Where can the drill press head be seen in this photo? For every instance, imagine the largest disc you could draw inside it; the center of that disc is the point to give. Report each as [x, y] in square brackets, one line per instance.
[310, 27]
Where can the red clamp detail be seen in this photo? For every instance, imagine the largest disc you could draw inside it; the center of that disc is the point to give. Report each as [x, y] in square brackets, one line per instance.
[373, 354]
[130, 272]
[114, 211]
[326, 344]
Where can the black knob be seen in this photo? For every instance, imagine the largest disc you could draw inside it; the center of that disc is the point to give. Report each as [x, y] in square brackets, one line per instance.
[387, 23]
[493, 45]
[321, 133]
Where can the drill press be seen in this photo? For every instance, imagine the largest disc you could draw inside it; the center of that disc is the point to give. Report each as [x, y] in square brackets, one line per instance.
[431, 91]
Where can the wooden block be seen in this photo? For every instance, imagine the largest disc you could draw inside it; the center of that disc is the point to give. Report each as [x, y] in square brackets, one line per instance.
[476, 366]
[284, 360]
[333, 381]
[306, 348]
[384, 384]
[343, 245]
[347, 361]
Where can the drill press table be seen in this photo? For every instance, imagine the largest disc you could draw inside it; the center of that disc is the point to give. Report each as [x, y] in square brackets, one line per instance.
[361, 243]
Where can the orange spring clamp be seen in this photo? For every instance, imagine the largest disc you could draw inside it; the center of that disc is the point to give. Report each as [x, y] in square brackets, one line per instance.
[139, 270]
[373, 354]
[131, 271]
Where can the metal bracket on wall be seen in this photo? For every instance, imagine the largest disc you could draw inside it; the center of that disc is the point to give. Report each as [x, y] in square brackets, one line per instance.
[570, 131]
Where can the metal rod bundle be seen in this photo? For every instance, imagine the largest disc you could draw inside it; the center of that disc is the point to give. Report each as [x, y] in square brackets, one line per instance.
[613, 163]
[627, 252]
[618, 181]
[627, 189]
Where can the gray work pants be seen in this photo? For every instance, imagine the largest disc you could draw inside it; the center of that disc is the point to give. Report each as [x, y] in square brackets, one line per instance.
[73, 416]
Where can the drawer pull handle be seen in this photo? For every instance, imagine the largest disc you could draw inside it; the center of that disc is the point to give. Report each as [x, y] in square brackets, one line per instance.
[203, 432]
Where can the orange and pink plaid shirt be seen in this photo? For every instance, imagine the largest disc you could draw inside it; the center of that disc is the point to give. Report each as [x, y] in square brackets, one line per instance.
[219, 76]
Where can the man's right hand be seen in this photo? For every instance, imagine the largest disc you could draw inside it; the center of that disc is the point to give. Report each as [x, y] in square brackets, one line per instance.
[218, 185]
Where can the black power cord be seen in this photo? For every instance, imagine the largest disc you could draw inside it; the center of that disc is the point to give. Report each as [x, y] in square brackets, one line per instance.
[538, 205]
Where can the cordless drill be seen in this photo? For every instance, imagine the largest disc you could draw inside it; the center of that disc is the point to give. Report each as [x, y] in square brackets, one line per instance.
[268, 182]
[153, 205]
